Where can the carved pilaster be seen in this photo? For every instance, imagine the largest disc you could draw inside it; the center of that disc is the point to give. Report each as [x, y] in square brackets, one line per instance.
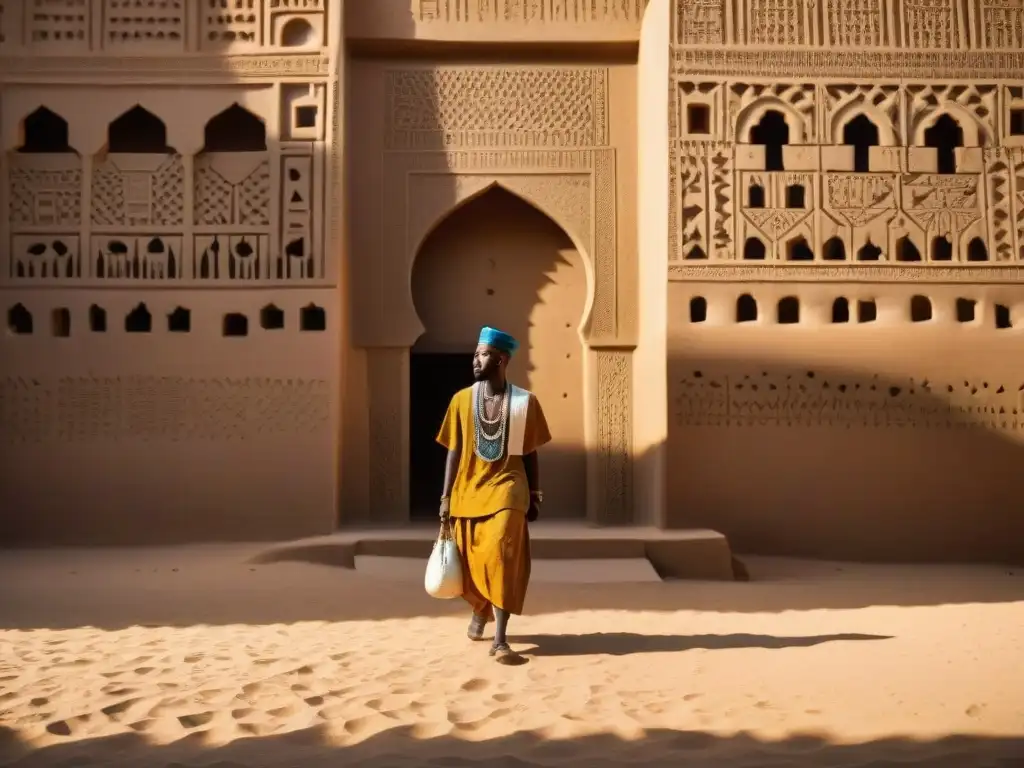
[388, 375]
[611, 490]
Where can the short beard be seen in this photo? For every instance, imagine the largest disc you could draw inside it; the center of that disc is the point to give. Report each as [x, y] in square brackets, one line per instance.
[481, 376]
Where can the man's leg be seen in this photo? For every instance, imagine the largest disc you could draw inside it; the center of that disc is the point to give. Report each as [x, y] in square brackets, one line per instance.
[500, 626]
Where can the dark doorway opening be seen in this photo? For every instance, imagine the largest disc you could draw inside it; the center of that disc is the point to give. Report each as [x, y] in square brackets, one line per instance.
[433, 379]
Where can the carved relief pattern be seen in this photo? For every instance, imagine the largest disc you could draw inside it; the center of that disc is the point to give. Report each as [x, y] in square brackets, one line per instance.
[1002, 24]
[87, 408]
[700, 22]
[858, 199]
[530, 107]
[134, 21]
[1000, 203]
[941, 205]
[799, 97]
[776, 22]
[530, 11]
[45, 190]
[977, 100]
[138, 197]
[1016, 155]
[243, 201]
[62, 22]
[854, 23]
[930, 24]
[692, 205]
[844, 100]
[765, 399]
[238, 24]
[614, 436]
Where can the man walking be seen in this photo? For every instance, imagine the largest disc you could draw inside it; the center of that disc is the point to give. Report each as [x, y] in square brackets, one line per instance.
[492, 431]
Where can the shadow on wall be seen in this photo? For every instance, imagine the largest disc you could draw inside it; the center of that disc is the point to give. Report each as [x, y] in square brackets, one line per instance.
[187, 393]
[833, 463]
[496, 260]
[314, 747]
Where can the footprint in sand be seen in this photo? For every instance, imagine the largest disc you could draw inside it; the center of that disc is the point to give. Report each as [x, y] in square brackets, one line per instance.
[502, 698]
[474, 684]
[288, 710]
[116, 711]
[314, 701]
[40, 701]
[975, 710]
[242, 712]
[59, 728]
[196, 720]
[692, 696]
[194, 658]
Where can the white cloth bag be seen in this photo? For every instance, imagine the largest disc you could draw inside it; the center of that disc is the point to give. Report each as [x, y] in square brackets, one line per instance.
[443, 578]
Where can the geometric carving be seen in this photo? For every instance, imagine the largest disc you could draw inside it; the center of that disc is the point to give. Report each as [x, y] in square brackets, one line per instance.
[700, 22]
[141, 21]
[138, 190]
[235, 256]
[296, 222]
[86, 409]
[515, 12]
[854, 23]
[45, 256]
[614, 437]
[549, 107]
[941, 204]
[232, 189]
[45, 190]
[239, 26]
[136, 257]
[58, 22]
[820, 400]
[858, 199]
[1002, 24]
[930, 24]
[776, 22]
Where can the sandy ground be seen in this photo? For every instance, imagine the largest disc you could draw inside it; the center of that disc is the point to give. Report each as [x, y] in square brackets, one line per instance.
[201, 656]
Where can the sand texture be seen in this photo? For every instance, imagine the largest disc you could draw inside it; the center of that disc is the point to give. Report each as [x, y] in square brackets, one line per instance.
[202, 656]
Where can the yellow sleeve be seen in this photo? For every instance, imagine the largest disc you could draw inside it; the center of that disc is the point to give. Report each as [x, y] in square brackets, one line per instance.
[450, 434]
[536, 432]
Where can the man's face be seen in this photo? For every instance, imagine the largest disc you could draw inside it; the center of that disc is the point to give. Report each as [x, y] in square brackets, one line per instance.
[487, 361]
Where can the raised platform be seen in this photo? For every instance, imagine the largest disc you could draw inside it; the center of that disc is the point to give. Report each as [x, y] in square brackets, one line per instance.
[673, 554]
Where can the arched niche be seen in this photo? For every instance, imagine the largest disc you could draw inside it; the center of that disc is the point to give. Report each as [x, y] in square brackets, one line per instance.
[887, 135]
[231, 177]
[496, 259]
[974, 133]
[546, 198]
[752, 114]
[44, 180]
[137, 195]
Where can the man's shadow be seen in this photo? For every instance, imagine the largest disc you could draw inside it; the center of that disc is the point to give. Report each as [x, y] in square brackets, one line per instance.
[625, 643]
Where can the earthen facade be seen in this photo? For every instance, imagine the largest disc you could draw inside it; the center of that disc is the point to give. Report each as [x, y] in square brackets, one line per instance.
[766, 258]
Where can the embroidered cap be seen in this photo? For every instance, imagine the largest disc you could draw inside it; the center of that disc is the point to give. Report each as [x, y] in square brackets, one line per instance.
[492, 337]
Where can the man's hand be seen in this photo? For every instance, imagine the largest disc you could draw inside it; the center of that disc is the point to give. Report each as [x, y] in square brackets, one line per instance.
[445, 510]
[534, 512]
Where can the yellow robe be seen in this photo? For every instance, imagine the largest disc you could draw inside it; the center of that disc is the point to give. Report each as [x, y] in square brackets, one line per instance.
[488, 509]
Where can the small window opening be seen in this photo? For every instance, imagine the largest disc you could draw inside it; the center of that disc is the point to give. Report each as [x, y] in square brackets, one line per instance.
[19, 320]
[869, 252]
[788, 310]
[920, 309]
[862, 133]
[312, 318]
[139, 320]
[965, 310]
[235, 324]
[799, 250]
[841, 310]
[773, 133]
[906, 250]
[180, 320]
[60, 322]
[942, 249]
[1003, 319]
[867, 311]
[97, 319]
[755, 196]
[753, 249]
[976, 250]
[834, 250]
[945, 136]
[696, 253]
[698, 118]
[1017, 122]
[698, 309]
[271, 318]
[746, 309]
[796, 196]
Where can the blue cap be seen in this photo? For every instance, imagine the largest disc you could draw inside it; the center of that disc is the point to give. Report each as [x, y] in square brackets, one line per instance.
[492, 337]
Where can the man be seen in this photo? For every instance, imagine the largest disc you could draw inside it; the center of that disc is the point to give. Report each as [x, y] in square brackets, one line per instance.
[492, 431]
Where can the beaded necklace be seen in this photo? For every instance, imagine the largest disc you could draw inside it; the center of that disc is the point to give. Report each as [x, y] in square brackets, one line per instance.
[490, 433]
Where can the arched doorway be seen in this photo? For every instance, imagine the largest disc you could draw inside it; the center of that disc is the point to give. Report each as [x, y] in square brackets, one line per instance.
[496, 260]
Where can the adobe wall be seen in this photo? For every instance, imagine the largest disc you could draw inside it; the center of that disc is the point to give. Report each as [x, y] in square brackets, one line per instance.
[846, 325]
[171, 289]
[433, 136]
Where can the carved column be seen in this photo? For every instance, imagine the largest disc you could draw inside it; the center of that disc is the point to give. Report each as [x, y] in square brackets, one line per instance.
[610, 470]
[388, 379]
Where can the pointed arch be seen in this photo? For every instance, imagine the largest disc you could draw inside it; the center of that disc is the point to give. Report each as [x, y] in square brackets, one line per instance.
[751, 115]
[235, 129]
[887, 136]
[974, 133]
[138, 131]
[435, 211]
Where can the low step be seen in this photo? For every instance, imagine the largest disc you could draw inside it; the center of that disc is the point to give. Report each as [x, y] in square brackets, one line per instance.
[617, 571]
